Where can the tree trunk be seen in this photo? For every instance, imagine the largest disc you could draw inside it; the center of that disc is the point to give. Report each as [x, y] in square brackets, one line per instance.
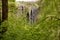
[0, 10]
[4, 10]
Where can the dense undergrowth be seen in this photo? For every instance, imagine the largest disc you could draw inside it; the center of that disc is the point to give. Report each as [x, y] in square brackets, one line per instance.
[46, 28]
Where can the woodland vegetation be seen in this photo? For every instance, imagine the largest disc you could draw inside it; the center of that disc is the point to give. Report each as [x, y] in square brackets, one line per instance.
[46, 27]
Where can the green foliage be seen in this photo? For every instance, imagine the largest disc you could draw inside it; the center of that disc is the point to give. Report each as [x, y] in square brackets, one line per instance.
[11, 0]
[46, 27]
